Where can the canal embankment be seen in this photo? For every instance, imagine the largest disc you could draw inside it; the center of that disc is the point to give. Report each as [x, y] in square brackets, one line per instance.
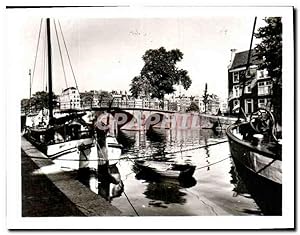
[47, 190]
[208, 121]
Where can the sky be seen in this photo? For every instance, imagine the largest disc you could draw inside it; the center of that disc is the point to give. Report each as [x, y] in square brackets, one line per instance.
[106, 53]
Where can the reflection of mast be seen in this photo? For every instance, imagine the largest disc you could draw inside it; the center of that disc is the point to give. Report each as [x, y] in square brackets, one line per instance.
[207, 152]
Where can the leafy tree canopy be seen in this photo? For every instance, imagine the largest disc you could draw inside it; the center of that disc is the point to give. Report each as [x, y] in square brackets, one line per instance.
[270, 51]
[160, 74]
[38, 101]
[270, 48]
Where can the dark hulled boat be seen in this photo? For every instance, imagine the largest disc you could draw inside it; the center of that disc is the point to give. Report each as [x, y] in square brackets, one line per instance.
[256, 150]
[258, 162]
[166, 169]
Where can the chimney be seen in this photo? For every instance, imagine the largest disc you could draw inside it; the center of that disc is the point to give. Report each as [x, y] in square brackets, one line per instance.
[233, 51]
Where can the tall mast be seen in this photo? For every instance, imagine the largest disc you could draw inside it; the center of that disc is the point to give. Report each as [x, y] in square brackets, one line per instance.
[29, 90]
[50, 104]
[242, 100]
[29, 83]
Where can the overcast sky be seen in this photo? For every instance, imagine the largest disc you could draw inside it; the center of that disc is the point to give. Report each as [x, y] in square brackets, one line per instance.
[106, 53]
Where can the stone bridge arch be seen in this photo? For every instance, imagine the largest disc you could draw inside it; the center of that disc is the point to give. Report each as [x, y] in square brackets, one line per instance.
[139, 119]
[125, 119]
[157, 120]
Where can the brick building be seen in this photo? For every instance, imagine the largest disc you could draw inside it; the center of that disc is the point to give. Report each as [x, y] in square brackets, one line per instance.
[258, 85]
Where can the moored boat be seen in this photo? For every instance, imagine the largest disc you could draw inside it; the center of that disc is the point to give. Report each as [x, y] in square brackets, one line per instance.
[68, 141]
[114, 149]
[255, 146]
[166, 169]
[258, 159]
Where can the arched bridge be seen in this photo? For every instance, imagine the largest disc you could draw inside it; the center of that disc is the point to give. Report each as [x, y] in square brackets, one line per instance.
[143, 114]
[138, 115]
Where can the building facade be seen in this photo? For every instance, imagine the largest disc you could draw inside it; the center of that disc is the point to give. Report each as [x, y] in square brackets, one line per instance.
[69, 99]
[213, 104]
[258, 85]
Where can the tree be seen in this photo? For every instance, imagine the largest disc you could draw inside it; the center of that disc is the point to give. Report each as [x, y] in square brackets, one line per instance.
[205, 98]
[25, 105]
[160, 74]
[40, 100]
[105, 97]
[193, 107]
[87, 98]
[269, 50]
[139, 87]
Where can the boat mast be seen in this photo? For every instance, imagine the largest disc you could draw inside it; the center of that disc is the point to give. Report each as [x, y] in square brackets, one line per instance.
[29, 90]
[242, 100]
[50, 94]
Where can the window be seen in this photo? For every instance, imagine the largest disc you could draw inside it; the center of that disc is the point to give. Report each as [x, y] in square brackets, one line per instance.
[248, 89]
[264, 103]
[249, 106]
[264, 88]
[266, 73]
[260, 74]
[235, 77]
[236, 91]
[236, 103]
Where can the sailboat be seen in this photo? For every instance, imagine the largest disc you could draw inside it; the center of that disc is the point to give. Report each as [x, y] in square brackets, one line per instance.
[68, 140]
[256, 150]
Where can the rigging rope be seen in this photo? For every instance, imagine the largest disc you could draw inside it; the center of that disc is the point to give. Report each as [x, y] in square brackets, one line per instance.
[131, 204]
[61, 57]
[68, 55]
[37, 48]
[198, 168]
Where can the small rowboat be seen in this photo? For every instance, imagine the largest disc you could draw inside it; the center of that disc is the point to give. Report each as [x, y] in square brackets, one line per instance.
[166, 169]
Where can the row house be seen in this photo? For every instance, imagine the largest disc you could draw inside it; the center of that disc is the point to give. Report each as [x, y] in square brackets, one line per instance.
[199, 101]
[213, 104]
[258, 85]
[69, 99]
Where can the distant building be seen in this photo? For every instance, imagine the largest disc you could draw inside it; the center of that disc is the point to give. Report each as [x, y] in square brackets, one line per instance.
[199, 101]
[183, 102]
[258, 85]
[213, 104]
[70, 99]
[224, 106]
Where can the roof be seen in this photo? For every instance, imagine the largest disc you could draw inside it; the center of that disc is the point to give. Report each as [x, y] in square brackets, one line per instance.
[240, 59]
[69, 88]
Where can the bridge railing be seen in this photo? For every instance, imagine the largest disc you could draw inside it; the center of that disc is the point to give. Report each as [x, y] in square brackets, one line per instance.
[165, 105]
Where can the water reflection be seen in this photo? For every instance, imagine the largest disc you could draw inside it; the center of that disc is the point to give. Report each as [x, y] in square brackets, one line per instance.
[236, 180]
[110, 184]
[260, 189]
[106, 181]
[160, 142]
[219, 183]
[166, 192]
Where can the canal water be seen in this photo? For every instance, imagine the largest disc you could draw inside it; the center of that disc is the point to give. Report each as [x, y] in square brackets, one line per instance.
[215, 189]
